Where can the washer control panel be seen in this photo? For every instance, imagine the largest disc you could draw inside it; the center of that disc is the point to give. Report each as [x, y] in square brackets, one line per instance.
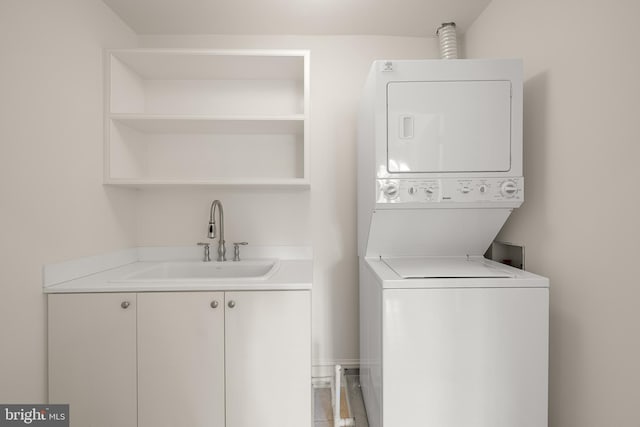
[454, 190]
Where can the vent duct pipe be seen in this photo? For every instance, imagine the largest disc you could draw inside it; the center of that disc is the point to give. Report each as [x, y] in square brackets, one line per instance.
[448, 40]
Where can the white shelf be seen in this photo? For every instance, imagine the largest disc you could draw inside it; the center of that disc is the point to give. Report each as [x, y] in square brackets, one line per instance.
[156, 123]
[246, 183]
[198, 64]
[236, 118]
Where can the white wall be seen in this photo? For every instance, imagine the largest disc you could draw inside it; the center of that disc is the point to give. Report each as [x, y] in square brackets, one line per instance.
[580, 218]
[54, 207]
[52, 203]
[324, 217]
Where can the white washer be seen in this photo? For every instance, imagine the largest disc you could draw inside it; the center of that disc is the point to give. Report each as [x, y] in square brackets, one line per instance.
[453, 342]
[447, 338]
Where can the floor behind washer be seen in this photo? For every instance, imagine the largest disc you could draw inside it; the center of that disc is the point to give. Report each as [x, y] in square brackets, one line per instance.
[323, 412]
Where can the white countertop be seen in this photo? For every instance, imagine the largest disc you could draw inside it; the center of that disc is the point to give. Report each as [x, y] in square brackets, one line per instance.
[103, 274]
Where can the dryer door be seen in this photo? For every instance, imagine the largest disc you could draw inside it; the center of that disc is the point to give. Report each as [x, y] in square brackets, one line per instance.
[452, 126]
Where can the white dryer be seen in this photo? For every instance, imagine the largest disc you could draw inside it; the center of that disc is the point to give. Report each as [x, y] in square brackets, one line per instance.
[447, 338]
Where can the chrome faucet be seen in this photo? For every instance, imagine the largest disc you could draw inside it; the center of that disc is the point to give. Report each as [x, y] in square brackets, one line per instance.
[207, 256]
[222, 250]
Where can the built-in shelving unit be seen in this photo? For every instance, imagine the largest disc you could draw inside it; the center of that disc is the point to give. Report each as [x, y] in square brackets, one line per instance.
[207, 117]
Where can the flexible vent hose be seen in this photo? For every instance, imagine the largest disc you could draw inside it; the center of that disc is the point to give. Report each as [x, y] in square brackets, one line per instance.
[448, 40]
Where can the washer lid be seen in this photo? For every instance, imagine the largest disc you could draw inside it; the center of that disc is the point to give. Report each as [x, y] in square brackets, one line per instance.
[441, 267]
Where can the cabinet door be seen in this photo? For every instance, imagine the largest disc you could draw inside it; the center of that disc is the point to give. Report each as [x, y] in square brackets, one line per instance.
[181, 359]
[268, 358]
[92, 357]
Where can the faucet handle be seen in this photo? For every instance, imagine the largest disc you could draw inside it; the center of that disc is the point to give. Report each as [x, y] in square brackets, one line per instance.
[207, 256]
[236, 250]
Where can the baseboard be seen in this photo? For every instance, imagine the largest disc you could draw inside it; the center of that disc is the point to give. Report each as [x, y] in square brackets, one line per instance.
[323, 371]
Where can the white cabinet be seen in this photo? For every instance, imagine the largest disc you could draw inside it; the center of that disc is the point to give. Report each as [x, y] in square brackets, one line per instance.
[92, 358]
[181, 359]
[268, 358]
[207, 117]
[215, 359]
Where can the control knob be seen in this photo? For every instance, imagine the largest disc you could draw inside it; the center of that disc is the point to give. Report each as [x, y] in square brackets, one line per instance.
[390, 190]
[508, 188]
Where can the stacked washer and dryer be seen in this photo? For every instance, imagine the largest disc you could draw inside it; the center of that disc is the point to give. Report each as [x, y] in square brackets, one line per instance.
[447, 337]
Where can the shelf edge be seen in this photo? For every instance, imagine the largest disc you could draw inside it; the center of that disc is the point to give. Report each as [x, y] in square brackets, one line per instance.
[293, 184]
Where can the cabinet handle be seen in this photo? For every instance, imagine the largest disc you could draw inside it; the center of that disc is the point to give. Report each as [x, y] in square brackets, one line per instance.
[214, 304]
[125, 304]
[231, 304]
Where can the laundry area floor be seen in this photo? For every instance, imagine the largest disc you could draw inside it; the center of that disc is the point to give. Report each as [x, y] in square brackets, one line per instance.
[352, 403]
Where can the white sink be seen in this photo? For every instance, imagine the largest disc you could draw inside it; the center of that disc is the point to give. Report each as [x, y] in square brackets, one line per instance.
[204, 271]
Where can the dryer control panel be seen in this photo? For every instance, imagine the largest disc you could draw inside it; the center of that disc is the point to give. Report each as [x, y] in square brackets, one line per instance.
[451, 190]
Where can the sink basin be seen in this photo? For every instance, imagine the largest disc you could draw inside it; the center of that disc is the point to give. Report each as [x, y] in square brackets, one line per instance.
[205, 271]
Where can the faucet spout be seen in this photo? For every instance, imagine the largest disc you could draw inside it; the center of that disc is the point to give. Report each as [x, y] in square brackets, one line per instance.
[216, 205]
